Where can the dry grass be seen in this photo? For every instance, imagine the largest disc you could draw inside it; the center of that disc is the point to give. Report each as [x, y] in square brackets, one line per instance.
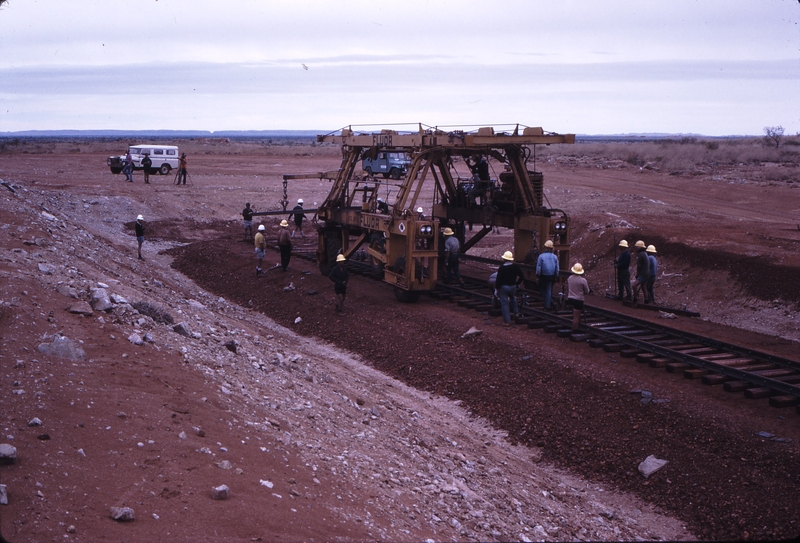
[687, 154]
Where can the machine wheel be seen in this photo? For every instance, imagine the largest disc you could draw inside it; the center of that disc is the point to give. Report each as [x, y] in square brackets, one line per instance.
[333, 246]
[394, 173]
[116, 170]
[406, 296]
[165, 169]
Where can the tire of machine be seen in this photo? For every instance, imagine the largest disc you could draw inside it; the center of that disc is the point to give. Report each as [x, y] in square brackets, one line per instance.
[333, 246]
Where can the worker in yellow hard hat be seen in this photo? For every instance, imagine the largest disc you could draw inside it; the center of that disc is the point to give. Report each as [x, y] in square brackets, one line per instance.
[653, 272]
[622, 266]
[642, 272]
[285, 244]
[509, 277]
[339, 277]
[547, 272]
[451, 249]
[578, 289]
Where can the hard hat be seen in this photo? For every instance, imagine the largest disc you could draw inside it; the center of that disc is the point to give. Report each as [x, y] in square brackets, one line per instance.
[419, 210]
[548, 244]
[380, 199]
[284, 223]
[623, 243]
[448, 231]
[299, 200]
[340, 258]
[139, 218]
[651, 249]
[508, 255]
[577, 269]
[640, 243]
[261, 228]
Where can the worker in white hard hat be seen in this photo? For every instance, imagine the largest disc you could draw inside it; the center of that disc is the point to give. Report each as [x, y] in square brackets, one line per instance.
[642, 272]
[451, 249]
[578, 289]
[653, 272]
[339, 277]
[298, 215]
[509, 277]
[285, 244]
[622, 267]
[261, 246]
[139, 226]
[547, 272]
[382, 206]
[420, 214]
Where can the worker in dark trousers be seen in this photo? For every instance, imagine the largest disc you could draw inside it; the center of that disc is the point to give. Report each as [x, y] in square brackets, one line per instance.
[139, 226]
[146, 165]
[298, 216]
[285, 244]
[651, 278]
[247, 221]
[642, 272]
[623, 265]
[547, 272]
[182, 169]
[339, 277]
[578, 289]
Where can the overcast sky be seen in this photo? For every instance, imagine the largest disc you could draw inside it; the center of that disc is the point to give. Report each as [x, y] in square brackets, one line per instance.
[714, 67]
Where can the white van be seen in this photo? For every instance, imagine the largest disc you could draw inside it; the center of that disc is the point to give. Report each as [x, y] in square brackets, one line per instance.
[164, 157]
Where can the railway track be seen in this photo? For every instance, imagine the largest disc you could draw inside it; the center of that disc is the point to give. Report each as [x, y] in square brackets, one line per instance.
[712, 362]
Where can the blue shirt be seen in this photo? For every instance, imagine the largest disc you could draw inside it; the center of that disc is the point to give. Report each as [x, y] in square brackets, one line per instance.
[653, 265]
[547, 264]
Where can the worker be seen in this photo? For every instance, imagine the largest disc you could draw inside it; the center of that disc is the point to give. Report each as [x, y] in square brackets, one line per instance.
[182, 169]
[623, 267]
[651, 278]
[247, 221]
[285, 244]
[147, 163]
[139, 226]
[420, 214]
[298, 215]
[261, 246]
[509, 277]
[578, 288]
[382, 206]
[451, 249]
[547, 271]
[339, 277]
[642, 272]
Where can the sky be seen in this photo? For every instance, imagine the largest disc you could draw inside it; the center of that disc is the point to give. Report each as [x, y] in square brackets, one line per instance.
[711, 67]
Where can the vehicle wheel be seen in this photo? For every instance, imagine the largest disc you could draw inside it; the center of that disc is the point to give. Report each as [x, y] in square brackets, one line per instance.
[333, 246]
[385, 175]
[394, 173]
[406, 296]
[368, 170]
[165, 169]
[116, 170]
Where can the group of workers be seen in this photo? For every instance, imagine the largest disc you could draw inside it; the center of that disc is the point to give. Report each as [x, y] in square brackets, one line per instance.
[338, 274]
[646, 272]
[509, 276]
